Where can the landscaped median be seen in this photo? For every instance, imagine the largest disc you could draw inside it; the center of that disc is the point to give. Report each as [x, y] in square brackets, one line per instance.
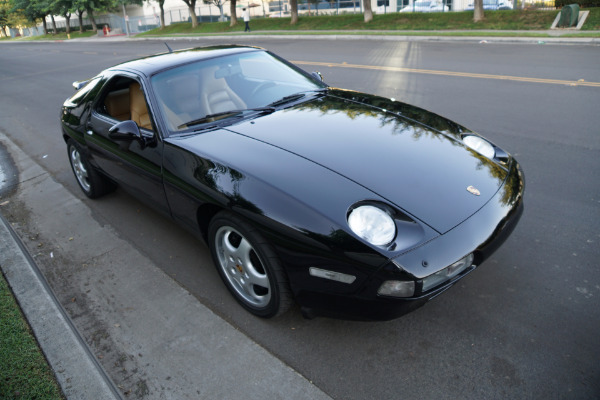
[439, 24]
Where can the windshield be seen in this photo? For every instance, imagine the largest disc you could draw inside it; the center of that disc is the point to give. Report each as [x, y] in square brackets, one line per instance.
[187, 95]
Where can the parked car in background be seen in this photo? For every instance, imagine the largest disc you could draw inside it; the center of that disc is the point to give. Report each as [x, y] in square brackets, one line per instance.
[426, 6]
[492, 5]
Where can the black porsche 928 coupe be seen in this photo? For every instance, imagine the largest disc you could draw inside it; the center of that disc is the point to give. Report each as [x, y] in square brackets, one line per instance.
[349, 204]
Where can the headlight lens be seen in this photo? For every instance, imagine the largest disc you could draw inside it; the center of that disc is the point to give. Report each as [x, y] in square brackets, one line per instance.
[372, 224]
[480, 145]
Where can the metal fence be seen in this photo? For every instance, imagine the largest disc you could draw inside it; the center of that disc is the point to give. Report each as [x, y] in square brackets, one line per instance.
[320, 7]
[115, 24]
[24, 32]
[392, 6]
[206, 13]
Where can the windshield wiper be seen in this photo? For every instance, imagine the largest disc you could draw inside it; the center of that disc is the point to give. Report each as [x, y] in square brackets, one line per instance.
[287, 99]
[223, 115]
[294, 97]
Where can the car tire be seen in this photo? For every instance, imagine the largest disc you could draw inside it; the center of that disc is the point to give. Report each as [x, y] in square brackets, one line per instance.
[92, 183]
[250, 269]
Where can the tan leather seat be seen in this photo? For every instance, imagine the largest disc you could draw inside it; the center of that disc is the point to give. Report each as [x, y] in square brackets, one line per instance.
[117, 104]
[216, 95]
[137, 103]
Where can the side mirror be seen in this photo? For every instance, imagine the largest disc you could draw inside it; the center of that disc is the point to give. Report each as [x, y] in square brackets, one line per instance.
[79, 84]
[128, 131]
[317, 75]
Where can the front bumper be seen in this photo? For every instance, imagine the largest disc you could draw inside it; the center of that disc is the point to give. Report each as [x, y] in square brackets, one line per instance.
[481, 234]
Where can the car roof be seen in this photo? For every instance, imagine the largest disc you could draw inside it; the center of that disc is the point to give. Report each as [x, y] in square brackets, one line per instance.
[155, 63]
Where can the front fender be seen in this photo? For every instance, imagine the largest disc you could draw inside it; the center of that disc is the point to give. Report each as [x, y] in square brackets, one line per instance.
[299, 206]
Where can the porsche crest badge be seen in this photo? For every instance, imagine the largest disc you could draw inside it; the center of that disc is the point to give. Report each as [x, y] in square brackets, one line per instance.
[473, 190]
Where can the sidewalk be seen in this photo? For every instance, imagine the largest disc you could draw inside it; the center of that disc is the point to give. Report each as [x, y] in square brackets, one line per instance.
[163, 341]
[79, 373]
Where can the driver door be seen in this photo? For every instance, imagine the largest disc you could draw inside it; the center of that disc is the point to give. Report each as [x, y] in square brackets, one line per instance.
[135, 163]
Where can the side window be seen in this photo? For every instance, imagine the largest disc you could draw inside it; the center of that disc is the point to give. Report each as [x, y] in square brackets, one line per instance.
[124, 100]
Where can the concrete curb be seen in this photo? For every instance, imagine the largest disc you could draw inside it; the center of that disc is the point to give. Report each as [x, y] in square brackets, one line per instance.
[76, 369]
[233, 38]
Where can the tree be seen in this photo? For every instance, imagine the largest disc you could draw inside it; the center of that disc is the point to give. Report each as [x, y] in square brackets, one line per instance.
[11, 17]
[67, 16]
[478, 11]
[62, 7]
[80, 7]
[192, 8]
[232, 12]
[369, 11]
[79, 13]
[90, 14]
[161, 5]
[294, 11]
[33, 10]
[89, 6]
[53, 23]
[4, 16]
[219, 4]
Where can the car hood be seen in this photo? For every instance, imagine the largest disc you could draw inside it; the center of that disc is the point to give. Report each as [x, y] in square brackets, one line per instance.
[409, 156]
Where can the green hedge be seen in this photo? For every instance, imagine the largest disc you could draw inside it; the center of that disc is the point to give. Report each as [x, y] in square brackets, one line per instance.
[73, 28]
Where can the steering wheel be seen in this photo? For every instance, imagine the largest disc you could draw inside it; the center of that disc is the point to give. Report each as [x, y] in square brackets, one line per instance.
[261, 87]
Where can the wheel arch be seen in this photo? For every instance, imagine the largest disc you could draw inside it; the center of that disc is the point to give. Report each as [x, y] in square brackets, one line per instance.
[204, 214]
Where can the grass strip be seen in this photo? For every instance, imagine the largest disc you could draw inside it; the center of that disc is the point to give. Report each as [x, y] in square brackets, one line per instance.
[24, 372]
[437, 23]
[58, 36]
[400, 33]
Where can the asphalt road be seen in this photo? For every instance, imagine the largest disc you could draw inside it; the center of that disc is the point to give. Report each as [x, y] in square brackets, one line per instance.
[524, 325]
